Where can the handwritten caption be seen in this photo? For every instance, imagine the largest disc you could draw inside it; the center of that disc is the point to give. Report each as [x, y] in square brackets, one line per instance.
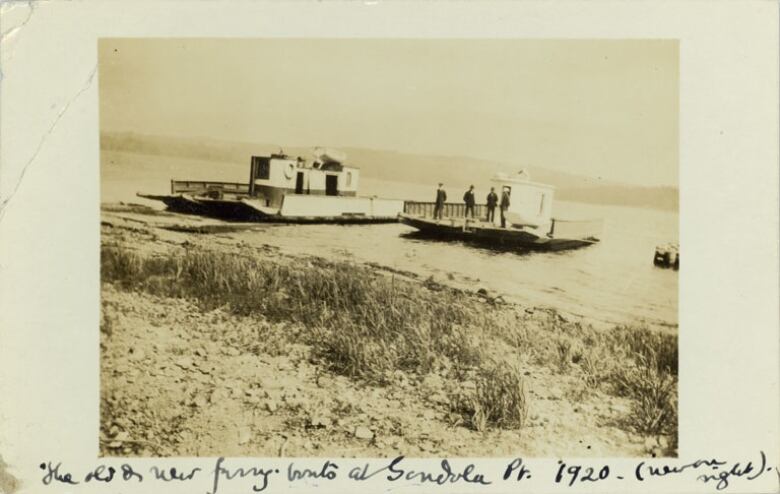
[717, 473]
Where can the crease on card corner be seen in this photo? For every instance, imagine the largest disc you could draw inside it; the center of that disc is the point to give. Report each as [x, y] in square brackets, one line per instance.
[9, 7]
[8, 483]
[9, 11]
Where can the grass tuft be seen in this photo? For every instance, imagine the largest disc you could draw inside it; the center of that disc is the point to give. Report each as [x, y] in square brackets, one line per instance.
[653, 394]
[498, 399]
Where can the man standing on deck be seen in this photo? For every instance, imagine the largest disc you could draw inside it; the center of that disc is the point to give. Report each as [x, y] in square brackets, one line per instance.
[504, 205]
[468, 198]
[441, 198]
[492, 202]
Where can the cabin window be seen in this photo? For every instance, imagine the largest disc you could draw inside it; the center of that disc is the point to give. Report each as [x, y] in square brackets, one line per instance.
[541, 204]
[263, 171]
[349, 179]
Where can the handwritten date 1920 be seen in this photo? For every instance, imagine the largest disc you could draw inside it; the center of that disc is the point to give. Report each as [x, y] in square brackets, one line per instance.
[578, 473]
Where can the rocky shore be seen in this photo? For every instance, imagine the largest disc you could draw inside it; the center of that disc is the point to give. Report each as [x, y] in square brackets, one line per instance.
[185, 372]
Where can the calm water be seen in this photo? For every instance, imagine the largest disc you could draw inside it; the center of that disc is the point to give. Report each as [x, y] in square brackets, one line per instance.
[614, 281]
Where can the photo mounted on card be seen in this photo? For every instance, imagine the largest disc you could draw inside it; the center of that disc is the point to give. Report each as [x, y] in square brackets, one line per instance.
[371, 246]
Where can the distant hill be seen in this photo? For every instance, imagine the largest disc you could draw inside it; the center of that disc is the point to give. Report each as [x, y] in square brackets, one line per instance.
[455, 171]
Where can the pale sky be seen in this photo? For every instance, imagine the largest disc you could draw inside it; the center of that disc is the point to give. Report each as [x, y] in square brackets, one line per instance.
[598, 108]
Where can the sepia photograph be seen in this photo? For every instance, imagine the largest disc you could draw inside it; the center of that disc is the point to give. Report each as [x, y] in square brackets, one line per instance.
[372, 247]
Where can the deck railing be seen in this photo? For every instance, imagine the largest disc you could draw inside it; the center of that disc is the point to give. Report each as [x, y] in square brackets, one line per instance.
[449, 210]
[190, 186]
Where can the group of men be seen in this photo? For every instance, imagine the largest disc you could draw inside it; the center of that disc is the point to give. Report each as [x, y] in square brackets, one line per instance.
[468, 198]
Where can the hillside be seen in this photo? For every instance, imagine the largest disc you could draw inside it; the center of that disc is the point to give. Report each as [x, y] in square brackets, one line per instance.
[456, 171]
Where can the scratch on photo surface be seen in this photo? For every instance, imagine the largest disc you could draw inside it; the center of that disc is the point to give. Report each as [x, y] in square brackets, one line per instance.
[8, 483]
[5, 201]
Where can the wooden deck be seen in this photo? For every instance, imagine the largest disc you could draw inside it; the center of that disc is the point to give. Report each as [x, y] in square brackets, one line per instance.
[493, 236]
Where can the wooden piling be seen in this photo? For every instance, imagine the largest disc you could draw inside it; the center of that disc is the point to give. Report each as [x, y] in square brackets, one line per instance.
[667, 256]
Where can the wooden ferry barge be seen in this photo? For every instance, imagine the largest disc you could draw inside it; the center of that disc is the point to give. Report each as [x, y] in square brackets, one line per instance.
[528, 220]
[285, 189]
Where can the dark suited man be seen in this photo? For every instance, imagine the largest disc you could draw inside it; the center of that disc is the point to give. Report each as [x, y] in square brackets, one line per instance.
[504, 206]
[468, 198]
[441, 198]
[492, 202]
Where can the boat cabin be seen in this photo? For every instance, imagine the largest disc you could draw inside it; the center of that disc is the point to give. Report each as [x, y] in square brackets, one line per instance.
[273, 177]
[530, 203]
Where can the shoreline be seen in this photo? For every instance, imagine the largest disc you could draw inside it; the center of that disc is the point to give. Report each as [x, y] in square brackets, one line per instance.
[533, 296]
[432, 393]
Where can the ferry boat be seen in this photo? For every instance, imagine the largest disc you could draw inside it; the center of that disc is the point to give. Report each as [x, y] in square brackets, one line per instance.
[285, 189]
[528, 220]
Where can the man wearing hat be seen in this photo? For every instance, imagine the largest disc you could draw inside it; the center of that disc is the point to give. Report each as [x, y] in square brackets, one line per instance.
[504, 205]
[441, 198]
[492, 202]
[468, 198]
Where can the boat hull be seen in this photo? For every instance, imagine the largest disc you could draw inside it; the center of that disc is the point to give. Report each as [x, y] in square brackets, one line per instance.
[299, 209]
[492, 236]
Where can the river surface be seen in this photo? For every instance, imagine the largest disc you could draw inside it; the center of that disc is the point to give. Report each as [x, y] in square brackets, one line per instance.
[612, 282]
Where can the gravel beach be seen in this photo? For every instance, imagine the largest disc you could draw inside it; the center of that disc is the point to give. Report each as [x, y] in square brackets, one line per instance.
[179, 378]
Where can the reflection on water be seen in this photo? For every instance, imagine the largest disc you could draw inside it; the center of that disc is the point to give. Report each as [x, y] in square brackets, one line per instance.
[613, 281]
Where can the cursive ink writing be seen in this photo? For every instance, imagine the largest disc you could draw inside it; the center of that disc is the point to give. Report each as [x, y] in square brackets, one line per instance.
[101, 474]
[328, 471]
[129, 474]
[579, 473]
[173, 474]
[717, 471]
[517, 465]
[735, 471]
[220, 471]
[443, 477]
[643, 470]
[53, 474]
[358, 473]
[714, 472]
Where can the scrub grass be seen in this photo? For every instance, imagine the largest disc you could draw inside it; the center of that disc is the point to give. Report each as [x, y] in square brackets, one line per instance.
[361, 323]
[366, 325]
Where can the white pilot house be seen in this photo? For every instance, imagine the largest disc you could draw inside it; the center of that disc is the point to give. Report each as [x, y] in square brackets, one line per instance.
[530, 203]
[276, 176]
